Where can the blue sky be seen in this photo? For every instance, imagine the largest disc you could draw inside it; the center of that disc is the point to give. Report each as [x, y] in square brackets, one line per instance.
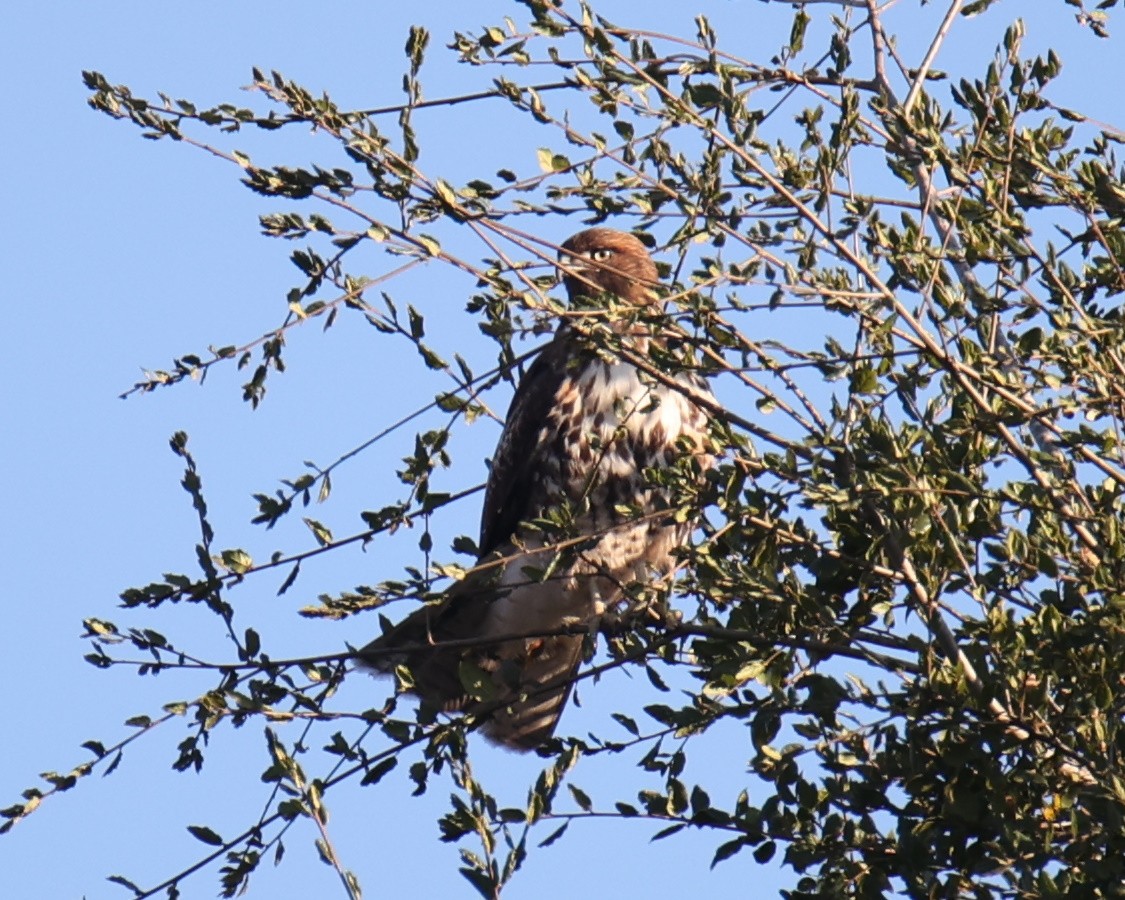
[122, 253]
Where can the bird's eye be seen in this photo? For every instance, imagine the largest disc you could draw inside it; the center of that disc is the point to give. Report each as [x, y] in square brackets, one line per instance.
[601, 254]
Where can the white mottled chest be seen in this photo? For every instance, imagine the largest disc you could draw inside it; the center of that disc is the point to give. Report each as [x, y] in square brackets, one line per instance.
[628, 421]
[616, 391]
[607, 425]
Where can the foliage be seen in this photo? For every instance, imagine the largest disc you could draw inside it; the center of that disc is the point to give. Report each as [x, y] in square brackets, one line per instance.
[907, 588]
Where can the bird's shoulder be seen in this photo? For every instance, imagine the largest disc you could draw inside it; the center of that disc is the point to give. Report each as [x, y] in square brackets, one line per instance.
[518, 460]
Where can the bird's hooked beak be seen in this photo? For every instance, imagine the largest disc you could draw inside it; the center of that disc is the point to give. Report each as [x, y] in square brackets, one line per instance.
[589, 269]
[571, 265]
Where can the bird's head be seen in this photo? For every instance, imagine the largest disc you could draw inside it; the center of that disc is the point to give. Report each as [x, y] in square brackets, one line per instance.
[606, 261]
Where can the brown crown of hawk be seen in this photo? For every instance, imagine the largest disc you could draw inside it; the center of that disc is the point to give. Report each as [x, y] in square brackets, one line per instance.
[581, 430]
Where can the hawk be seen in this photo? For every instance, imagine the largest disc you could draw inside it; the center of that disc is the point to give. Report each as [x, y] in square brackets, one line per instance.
[583, 428]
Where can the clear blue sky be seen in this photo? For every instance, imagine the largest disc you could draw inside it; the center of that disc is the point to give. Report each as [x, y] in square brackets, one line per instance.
[121, 253]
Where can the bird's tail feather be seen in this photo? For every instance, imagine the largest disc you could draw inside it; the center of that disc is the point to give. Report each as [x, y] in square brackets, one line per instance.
[416, 643]
[531, 679]
[545, 679]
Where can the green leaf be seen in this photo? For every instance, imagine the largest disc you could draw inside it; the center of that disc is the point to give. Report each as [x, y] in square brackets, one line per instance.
[95, 747]
[322, 534]
[125, 883]
[289, 579]
[205, 834]
[727, 850]
[416, 44]
[552, 162]
[705, 95]
[477, 683]
[484, 884]
[377, 771]
[580, 797]
[429, 244]
[445, 193]
[554, 835]
[864, 380]
[236, 561]
[797, 31]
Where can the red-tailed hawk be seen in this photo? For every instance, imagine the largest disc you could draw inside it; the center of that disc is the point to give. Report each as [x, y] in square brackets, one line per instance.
[582, 429]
